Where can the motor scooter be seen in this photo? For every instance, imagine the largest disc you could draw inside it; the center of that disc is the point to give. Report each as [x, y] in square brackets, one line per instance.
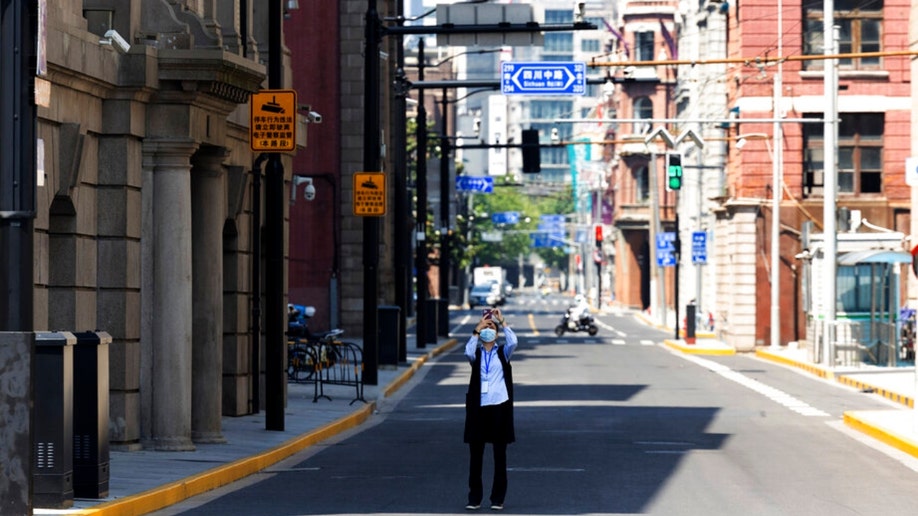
[582, 323]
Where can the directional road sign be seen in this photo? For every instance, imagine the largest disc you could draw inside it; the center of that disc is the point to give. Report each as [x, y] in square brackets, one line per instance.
[480, 184]
[506, 217]
[699, 247]
[543, 78]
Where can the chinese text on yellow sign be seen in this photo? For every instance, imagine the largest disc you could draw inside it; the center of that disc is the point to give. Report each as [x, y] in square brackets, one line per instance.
[273, 124]
[369, 194]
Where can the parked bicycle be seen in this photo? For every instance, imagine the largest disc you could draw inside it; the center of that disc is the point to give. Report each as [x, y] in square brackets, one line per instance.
[307, 356]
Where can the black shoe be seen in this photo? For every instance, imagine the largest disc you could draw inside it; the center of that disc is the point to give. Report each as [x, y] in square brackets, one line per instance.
[472, 507]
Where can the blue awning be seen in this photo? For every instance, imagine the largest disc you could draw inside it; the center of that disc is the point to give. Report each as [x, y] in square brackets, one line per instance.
[874, 256]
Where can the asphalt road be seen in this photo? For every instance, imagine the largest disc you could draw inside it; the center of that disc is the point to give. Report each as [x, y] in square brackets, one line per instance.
[611, 424]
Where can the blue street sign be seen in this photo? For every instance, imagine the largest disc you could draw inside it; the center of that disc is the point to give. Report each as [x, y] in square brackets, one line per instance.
[666, 249]
[507, 217]
[552, 219]
[481, 184]
[543, 78]
[540, 239]
[699, 247]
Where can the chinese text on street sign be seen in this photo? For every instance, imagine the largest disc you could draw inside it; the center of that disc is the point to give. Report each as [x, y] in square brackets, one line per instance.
[699, 247]
[272, 127]
[543, 78]
[666, 249]
[369, 194]
[480, 184]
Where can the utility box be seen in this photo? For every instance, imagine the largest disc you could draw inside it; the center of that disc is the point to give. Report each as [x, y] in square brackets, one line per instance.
[90, 419]
[52, 436]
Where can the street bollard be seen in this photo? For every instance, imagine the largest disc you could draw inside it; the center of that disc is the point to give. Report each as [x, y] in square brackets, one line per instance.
[690, 323]
[388, 335]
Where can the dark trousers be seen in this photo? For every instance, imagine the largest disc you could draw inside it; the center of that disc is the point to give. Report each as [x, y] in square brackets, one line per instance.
[476, 459]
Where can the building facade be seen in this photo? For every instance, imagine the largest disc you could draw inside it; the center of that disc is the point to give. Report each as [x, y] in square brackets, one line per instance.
[144, 219]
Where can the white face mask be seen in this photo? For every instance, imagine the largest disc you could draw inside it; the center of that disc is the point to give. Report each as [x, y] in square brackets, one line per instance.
[488, 334]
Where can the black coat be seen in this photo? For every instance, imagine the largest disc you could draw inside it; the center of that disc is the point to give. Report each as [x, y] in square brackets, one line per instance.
[500, 427]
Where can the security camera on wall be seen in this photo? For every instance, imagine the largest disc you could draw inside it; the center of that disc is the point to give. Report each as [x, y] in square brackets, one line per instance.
[117, 42]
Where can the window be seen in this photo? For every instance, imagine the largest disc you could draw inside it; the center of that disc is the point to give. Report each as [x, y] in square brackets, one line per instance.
[643, 46]
[860, 155]
[856, 287]
[643, 108]
[590, 46]
[553, 16]
[860, 23]
[641, 185]
[558, 43]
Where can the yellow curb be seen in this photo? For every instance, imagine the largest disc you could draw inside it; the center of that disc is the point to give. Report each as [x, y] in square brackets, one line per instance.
[694, 349]
[180, 490]
[407, 375]
[862, 386]
[817, 370]
[896, 441]
[175, 492]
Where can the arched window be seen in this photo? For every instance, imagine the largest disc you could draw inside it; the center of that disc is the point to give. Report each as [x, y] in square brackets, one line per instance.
[643, 108]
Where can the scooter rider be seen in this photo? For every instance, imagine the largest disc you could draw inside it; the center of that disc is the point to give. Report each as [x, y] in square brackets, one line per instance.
[579, 311]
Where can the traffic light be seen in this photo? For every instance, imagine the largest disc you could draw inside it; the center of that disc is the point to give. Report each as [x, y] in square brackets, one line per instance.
[674, 171]
[598, 236]
[532, 153]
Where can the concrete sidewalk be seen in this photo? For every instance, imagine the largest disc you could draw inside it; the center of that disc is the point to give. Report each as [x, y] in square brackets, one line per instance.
[145, 481]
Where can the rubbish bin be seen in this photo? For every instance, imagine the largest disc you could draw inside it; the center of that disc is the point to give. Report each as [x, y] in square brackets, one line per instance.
[52, 452]
[433, 318]
[388, 335]
[90, 417]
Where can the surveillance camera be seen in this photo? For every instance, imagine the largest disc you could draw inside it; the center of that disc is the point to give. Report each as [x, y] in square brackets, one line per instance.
[309, 192]
[579, 12]
[115, 40]
[314, 117]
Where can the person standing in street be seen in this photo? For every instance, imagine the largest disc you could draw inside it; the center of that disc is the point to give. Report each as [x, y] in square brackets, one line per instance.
[489, 405]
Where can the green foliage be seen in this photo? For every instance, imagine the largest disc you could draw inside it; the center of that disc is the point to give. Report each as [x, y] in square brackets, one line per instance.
[470, 250]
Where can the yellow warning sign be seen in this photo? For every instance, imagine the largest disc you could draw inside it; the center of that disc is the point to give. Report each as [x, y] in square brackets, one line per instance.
[369, 194]
[273, 123]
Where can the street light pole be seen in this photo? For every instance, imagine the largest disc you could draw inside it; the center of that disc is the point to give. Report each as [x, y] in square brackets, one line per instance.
[275, 344]
[372, 140]
[443, 314]
[420, 259]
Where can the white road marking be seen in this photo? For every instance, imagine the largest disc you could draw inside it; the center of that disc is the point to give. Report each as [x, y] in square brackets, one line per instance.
[768, 391]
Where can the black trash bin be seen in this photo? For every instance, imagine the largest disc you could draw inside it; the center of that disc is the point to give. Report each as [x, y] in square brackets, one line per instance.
[90, 417]
[433, 317]
[52, 438]
[443, 317]
[388, 335]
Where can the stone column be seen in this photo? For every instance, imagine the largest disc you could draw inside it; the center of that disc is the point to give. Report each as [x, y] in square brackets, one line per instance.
[172, 297]
[208, 214]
